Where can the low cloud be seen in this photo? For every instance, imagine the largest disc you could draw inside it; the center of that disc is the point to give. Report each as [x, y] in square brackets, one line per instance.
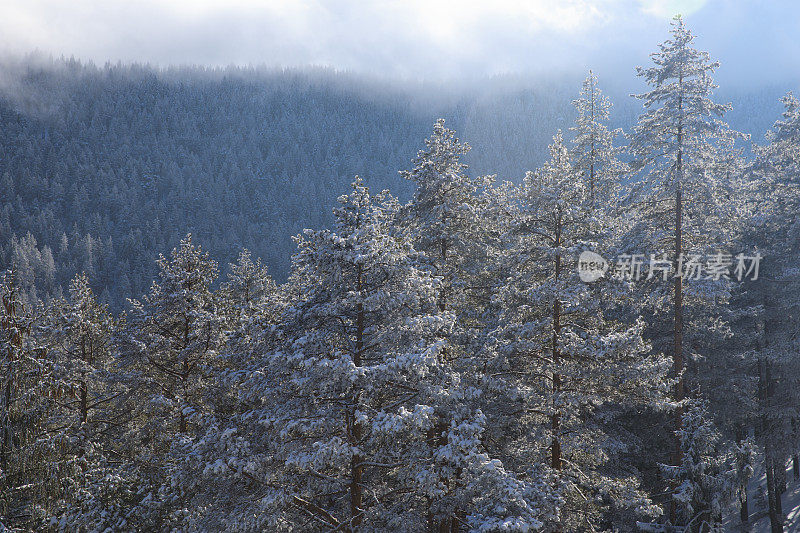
[415, 39]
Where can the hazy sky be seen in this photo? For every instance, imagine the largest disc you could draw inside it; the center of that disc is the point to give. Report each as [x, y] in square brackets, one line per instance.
[419, 39]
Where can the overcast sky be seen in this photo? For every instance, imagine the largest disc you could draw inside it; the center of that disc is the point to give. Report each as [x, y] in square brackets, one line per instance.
[756, 41]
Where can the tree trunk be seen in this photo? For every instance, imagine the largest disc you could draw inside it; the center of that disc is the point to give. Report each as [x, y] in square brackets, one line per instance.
[773, 497]
[744, 510]
[443, 291]
[555, 418]
[449, 524]
[780, 475]
[436, 437]
[776, 468]
[455, 523]
[6, 449]
[184, 375]
[677, 352]
[184, 379]
[356, 466]
[84, 392]
[677, 348]
[84, 402]
[356, 491]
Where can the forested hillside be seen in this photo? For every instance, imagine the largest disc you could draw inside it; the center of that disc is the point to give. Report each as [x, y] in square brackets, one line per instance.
[606, 343]
[103, 168]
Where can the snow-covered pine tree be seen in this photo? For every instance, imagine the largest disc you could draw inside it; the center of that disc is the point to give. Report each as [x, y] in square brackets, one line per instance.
[169, 345]
[78, 333]
[30, 478]
[779, 158]
[448, 224]
[731, 386]
[672, 146]
[249, 301]
[593, 154]
[561, 357]
[175, 334]
[208, 486]
[596, 160]
[82, 338]
[248, 288]
[706, 477]
[744, 455]
[445, 223]
[683, 152]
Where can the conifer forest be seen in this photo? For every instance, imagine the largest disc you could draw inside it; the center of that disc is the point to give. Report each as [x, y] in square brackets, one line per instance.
[517, 309]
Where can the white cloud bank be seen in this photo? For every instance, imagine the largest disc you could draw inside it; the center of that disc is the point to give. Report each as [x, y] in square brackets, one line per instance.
[420, 39]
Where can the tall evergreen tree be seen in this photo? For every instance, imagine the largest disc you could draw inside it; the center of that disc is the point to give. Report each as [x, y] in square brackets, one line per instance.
[444, 219]
[570, 365]
[175, 332]
[169, 346]
[678, 145]
[83, 335]
[248, 287]
[446, 223]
